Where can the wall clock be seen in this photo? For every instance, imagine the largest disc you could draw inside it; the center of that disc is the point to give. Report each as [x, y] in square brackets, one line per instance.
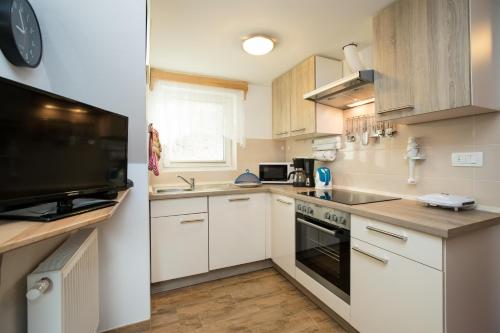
[20, 36]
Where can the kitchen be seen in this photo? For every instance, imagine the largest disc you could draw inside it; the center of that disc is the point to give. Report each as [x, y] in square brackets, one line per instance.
[264, 166]
[345, 131]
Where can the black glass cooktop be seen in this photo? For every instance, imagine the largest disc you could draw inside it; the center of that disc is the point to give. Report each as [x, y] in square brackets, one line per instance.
[348, 197]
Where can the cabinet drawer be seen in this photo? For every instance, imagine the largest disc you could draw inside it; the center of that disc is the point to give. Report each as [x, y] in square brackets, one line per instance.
[393, 294]
[179, 246]
[414, 245]
[172, 207]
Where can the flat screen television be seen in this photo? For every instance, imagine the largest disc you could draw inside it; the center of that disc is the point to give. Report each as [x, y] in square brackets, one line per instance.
[54, 150]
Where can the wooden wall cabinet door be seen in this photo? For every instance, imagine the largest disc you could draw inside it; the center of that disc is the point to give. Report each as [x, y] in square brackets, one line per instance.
[303, 112]
[283, 233]
[294, 116]
[392, 58]
[432, 61]
[441, 49]
[281, 104]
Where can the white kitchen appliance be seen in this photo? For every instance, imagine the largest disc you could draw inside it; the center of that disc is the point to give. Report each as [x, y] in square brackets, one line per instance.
[323, 179]
[445, 200]
[276, 172]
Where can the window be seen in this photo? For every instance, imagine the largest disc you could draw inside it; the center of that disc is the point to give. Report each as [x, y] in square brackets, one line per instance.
[199, 126]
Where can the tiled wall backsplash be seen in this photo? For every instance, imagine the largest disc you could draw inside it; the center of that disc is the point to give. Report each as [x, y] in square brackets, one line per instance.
[380, 166]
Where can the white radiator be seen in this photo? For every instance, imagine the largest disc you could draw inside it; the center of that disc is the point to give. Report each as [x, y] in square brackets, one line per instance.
[63, 291]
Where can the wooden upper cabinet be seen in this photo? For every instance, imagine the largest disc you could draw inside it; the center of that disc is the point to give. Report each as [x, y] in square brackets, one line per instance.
[302, 112]
[294, 116]
[392, 58]
[281, 105]
[441, 67]
[432, 61]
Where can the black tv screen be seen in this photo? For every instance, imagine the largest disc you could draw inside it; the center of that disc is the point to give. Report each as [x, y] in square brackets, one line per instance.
[52, 148]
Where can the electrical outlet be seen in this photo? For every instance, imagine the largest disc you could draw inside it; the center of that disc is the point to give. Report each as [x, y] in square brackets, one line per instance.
[467, 159]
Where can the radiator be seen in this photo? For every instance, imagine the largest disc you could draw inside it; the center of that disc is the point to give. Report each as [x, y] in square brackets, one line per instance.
[63, 291]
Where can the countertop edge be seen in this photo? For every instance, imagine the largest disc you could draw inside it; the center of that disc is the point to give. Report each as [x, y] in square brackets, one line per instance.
[357, 209]
[73, 223]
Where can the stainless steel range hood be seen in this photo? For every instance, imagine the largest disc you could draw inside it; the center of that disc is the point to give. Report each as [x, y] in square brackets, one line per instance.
[348, 90]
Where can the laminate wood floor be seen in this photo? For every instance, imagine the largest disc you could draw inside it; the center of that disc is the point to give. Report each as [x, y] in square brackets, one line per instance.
[256, 302]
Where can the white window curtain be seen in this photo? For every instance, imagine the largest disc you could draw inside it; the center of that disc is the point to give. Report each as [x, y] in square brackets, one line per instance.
[188, 109]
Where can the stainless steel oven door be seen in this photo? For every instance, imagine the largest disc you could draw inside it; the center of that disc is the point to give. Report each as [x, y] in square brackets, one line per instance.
[323, 252]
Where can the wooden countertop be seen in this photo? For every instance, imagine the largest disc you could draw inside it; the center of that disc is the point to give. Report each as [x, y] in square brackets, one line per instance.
[405, 213]
[15, 234]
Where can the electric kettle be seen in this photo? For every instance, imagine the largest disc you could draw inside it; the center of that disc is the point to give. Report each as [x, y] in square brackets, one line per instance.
[323, 179]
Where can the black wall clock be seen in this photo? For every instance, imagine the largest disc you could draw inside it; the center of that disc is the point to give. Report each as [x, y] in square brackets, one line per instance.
[20, 36]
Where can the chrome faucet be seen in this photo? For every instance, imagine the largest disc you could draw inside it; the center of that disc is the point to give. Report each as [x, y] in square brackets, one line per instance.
[190, 182]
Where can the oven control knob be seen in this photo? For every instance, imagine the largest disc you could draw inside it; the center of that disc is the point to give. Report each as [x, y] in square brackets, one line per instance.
[299, 207]
[334, 218]
[342, 220]
[328, 215]
[304, 209]
[310, 211]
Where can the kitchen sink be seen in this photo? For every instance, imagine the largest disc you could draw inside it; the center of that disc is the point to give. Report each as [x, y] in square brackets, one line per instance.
[172, 190]
[202, 188]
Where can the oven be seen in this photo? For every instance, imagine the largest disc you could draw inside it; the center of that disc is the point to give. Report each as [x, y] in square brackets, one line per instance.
[323, 246]
[275, 172]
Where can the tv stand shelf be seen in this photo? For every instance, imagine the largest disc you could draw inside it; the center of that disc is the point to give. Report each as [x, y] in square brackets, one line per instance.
[15, 234]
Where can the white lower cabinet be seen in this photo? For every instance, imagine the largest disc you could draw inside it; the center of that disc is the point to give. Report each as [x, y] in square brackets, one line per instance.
[283, 233]
[179, 246]
[237, 229]
[393, 294]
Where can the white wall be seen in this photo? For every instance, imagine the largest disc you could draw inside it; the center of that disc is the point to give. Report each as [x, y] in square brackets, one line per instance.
[258, 112]
[95, 53]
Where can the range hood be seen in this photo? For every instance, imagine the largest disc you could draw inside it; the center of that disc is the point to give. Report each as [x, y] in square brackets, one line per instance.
[342, 93]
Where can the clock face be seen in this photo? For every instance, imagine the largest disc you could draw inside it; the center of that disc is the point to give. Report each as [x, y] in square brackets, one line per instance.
[26, 32]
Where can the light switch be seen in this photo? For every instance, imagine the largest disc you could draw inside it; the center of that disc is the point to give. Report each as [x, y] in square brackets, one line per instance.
[467, 159]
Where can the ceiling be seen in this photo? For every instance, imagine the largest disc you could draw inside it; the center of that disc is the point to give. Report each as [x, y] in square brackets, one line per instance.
[204, 37]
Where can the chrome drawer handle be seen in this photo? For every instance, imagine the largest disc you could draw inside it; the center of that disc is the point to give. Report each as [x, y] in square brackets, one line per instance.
[284, 202]
[299, 129]
[192, 221]
[238, 199]
[382, 260]
[314, 226]
[388, 233]
[281, 133]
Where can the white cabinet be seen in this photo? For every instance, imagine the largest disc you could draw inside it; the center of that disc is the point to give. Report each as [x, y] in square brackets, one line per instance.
[393, 294]
[179, 246]
[283, 233]
[237, 229]
[414, 245]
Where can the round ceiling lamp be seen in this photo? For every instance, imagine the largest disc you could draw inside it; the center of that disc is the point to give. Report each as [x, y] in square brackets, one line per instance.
[258, 45]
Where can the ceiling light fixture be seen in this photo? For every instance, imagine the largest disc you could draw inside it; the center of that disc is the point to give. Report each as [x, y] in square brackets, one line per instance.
[362, 102]
[258, 45]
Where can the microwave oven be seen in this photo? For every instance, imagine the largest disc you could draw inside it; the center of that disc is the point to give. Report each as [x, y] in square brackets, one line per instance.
[275, 172]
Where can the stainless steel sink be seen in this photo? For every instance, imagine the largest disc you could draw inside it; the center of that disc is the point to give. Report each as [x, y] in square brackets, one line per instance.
[173, 190]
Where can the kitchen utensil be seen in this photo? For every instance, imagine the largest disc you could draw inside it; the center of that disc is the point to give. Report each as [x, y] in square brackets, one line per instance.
[247, 179]
[390, 129]
[364, 135]
[380, 129]
[373, 127]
